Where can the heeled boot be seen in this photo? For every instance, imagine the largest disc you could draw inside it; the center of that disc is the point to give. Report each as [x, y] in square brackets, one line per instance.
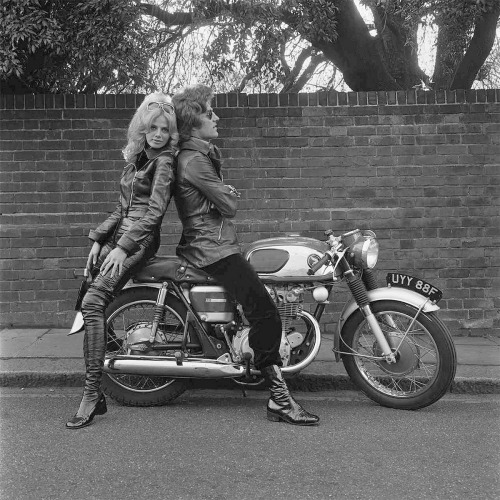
[93, 401]
[281, 405]
[86, 413]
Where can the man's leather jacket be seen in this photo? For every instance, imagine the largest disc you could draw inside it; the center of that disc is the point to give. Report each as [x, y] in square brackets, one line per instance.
[145, 193]
[204, 204]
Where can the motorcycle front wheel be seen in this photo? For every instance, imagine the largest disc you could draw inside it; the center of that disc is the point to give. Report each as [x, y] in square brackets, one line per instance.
[131, 313]
[425, 356]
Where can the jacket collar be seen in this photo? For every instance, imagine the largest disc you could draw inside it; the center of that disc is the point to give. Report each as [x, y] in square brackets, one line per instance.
[152, 153]
[147, 155]
[205, 147]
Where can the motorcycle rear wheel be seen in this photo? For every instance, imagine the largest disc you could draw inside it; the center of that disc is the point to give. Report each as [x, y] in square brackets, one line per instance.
[426, 359]
[134, 308]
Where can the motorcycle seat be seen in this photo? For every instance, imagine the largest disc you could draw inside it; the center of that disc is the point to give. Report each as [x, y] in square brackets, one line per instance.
[159, 269]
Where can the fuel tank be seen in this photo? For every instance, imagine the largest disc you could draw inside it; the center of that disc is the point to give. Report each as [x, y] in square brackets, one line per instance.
[286, 256]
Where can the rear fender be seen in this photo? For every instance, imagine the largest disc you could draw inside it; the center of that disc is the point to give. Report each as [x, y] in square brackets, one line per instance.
[385, 293]
[131, 284]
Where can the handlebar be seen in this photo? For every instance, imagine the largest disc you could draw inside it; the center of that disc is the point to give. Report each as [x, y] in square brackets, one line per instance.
[321, 262]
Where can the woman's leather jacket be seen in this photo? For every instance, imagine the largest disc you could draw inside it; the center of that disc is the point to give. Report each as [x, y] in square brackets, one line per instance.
[204, 204]
[145, 193]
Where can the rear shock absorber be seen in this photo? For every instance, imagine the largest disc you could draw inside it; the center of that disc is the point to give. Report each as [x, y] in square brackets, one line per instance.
[159, 311]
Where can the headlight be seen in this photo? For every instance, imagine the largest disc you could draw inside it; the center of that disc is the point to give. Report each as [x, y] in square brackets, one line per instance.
[365, 253]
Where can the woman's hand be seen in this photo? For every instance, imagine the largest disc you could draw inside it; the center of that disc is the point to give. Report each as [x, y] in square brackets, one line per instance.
[114, 262]
[93, 255]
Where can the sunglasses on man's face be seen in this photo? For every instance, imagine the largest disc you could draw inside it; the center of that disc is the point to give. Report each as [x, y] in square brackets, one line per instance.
[168, 108]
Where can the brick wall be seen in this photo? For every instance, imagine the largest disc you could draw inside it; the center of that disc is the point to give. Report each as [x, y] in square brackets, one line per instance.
[421, 169]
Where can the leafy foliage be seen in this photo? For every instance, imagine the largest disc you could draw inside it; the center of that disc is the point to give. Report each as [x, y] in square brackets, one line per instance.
[72, 46]
[277, 45]
[239, 45]
[255, 45]
[454, 22]
[26, 29]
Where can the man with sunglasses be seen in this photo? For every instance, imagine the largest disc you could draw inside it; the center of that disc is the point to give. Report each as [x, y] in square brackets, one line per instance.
[205, 205]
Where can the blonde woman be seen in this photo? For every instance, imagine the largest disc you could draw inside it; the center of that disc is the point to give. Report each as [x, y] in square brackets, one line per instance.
[128, 237]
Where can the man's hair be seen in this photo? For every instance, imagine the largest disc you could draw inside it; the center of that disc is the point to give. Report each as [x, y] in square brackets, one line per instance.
[190, 103]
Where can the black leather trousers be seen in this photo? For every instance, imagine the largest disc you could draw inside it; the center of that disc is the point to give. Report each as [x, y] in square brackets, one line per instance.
[100, 293]
[240, 280]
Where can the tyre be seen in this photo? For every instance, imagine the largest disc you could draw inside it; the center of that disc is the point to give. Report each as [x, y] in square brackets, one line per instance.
[131, 313]
[425, 356]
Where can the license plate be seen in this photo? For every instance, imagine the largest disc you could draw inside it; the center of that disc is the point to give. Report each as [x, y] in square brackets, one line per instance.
[416, 284]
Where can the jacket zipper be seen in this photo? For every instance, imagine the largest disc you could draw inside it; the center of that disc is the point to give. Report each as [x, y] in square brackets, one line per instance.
[133, 180]
[131, 193]
[220, 229]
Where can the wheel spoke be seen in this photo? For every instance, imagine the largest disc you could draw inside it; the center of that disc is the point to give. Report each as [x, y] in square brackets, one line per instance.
[416, 366]
[135, 317]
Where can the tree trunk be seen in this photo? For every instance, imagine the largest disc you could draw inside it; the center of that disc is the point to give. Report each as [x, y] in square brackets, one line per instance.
[356, 53]
[451, 44]
[399, 46]
[479, 48]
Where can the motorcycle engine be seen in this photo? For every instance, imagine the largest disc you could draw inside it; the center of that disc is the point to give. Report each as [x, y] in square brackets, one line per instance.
[288, 342]
[288, 301]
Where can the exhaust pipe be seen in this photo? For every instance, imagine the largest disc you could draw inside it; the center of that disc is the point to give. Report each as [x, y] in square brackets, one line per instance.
[161, 367]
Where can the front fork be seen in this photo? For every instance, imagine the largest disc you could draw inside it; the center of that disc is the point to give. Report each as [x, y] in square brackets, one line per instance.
[358, 290]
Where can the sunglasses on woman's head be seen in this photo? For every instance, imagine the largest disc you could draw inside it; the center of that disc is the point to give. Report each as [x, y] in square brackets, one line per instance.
[168, 108]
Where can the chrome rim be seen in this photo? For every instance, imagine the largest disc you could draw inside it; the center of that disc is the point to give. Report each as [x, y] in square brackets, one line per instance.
[417, 365]
[122, 323]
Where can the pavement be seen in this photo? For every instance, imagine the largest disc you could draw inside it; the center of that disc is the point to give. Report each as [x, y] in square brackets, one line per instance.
[47, 357]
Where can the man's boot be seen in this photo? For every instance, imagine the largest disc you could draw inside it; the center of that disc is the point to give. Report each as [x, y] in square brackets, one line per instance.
[281, 405]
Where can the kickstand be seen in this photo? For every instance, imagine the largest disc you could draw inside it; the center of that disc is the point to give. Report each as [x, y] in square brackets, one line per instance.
[247, 357]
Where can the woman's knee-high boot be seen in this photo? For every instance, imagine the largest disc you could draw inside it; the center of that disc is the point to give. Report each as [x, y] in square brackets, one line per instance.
[94, 349]
[281, 405]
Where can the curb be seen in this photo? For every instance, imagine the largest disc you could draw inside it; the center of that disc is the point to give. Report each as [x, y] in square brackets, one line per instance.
[301, 382]
[462, 385]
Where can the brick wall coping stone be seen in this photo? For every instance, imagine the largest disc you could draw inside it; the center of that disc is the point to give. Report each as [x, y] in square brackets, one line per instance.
[234, 100]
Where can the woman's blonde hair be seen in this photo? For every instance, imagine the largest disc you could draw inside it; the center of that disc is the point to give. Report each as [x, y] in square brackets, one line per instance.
[141, 123]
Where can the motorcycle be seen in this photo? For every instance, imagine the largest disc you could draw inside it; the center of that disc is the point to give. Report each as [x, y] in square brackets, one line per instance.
[172, 323]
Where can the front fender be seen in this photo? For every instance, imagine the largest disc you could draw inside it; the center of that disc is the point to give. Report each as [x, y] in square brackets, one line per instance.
[385, 293]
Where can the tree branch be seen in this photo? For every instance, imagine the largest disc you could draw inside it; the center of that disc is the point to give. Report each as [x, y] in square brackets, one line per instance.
[479, 48]
[284, 64]
[298, 84]
[169, 19]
